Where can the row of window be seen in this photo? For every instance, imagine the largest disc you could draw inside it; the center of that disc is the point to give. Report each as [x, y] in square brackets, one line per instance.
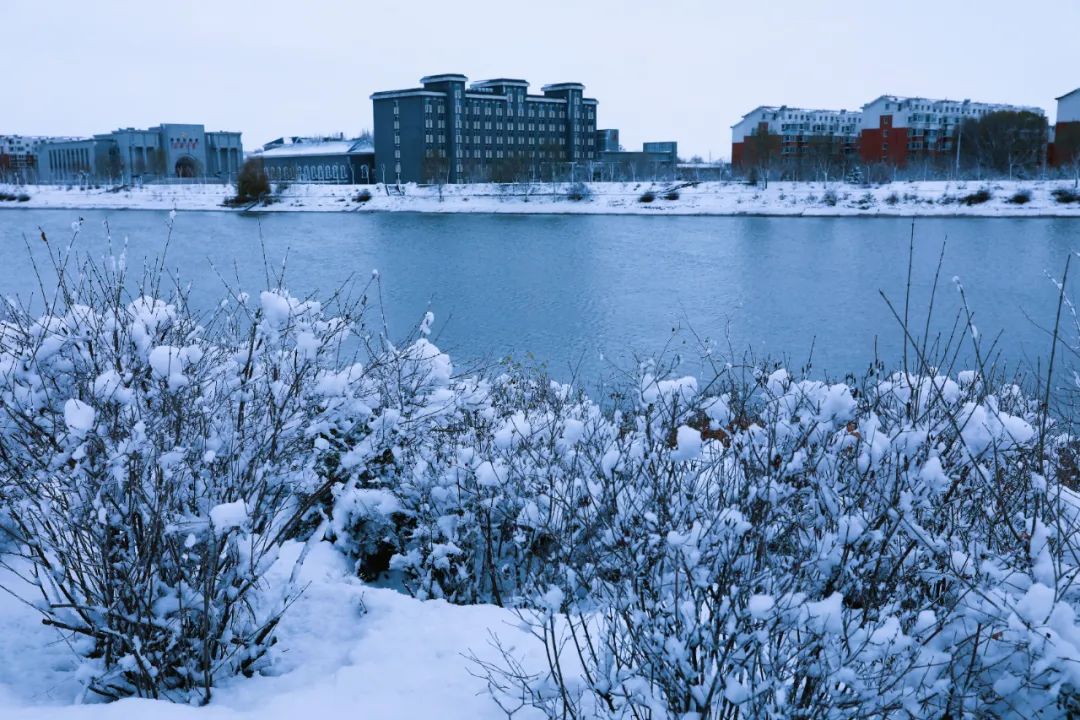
[336, 172]
[845, 150]
[431, 138]
[497, 125]
[809, 139]
[501, 154]
[955, 109]
[497, 111]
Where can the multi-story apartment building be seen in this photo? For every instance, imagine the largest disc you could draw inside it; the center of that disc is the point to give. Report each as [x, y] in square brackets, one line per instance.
[899, 130]
[451, 131]
[167, 151]
[793, 135]
[18, 157]
[1065, 149]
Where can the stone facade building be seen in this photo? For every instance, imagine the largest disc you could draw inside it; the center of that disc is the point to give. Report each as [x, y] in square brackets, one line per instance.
[130, 155]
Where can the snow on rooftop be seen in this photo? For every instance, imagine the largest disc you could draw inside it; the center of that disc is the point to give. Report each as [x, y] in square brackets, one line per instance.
[329, 147]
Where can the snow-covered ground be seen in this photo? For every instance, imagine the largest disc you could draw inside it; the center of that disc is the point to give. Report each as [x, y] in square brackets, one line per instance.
[940, 198]
[351, 650]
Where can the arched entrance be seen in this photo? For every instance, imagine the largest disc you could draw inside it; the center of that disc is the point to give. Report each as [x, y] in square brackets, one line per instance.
[187, 167]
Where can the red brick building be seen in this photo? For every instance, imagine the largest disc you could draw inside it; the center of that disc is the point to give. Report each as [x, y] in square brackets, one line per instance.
[898, 131]
[795, 140]
[1064, 150]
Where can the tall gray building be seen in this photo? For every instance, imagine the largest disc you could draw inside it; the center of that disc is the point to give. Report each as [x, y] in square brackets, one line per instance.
[451, 131]
[128, 155]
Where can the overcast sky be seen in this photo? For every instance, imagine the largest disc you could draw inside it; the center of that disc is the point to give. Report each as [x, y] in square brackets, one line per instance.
[674, 70]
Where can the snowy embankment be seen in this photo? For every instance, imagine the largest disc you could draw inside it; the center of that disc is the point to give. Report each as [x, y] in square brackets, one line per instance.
[347, 650]
[919, 198]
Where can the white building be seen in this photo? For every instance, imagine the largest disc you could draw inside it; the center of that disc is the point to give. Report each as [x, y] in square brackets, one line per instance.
[18, 156]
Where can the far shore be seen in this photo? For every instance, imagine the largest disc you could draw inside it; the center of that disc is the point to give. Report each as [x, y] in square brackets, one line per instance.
[930, 198]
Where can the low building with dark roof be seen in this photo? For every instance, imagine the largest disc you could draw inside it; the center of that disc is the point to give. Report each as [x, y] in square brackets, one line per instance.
[319, 160]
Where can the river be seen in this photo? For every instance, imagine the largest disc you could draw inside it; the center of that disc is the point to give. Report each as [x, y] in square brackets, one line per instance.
[584, 294]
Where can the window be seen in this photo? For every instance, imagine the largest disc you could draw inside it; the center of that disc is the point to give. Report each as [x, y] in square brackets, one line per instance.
[397, 154]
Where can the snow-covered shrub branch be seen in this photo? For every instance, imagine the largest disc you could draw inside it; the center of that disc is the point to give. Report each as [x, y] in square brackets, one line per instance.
[801, 549]
[152, 462]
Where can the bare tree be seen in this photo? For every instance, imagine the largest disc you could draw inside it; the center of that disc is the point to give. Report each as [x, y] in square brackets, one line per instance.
[1005, 142]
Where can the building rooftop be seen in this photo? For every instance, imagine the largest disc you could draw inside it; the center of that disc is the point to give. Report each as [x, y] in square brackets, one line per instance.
[563, 86]
[480, 88]
[301, 147]
[809, 111]
[946, 101]
[443, 77]
[501, 81]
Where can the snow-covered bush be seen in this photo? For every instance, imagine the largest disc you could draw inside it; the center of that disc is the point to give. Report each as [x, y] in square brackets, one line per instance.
[455, 484]
[152, 462]
[798, 549]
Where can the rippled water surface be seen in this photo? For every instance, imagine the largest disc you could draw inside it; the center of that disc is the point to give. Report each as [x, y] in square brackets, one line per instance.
[585, 291]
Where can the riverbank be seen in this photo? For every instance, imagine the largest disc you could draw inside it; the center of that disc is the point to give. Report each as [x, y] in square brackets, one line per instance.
[1036, 198]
